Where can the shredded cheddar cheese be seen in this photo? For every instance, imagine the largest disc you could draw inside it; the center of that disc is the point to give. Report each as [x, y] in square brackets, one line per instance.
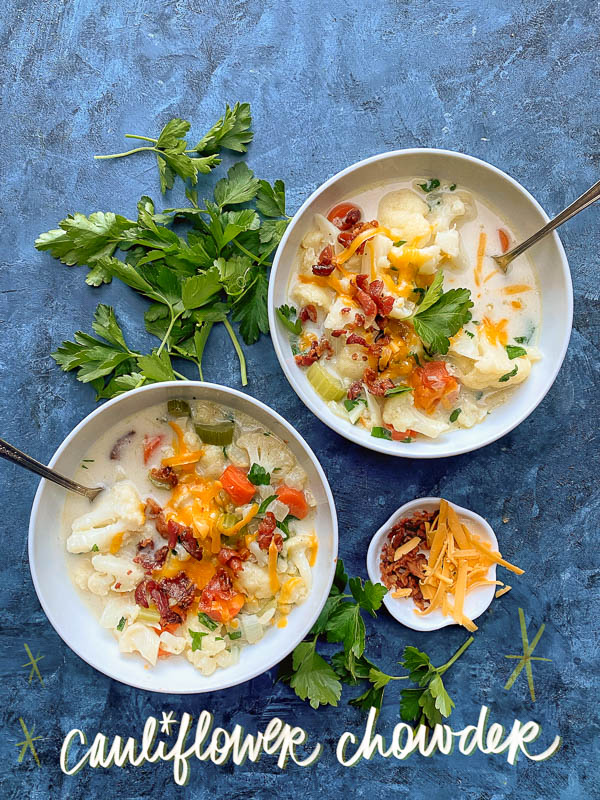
[480, 255]
[252, 512]
[406, 547]
[458, 563]
[495, 332]
[116, 542]
[356, 243]
[273, 579]
[516, 288]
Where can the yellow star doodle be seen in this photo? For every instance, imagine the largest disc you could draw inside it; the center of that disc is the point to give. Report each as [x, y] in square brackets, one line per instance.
[33, 663]
[527, 657]
[28, 743]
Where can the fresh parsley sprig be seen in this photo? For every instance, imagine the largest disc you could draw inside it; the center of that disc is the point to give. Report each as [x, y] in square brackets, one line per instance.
[216, 272]
[440, 315]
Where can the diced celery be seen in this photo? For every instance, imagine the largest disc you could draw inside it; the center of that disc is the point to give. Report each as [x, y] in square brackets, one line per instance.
[324, 383]
[178, 408]
[150, 615]
[220, 433]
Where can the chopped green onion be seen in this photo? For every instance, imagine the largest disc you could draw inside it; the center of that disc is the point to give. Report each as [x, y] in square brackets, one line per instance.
[400, 389]
[381, 433]
[95, 548]
[121, 624]
[470, 334]
[454, 414]
[431, 184]
[399, 243]
[453, 187]
[205, 620]
[522, 339]
[235, 634]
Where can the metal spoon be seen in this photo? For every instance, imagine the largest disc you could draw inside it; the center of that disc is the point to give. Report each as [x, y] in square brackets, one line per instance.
[586, 199]
[11, 453]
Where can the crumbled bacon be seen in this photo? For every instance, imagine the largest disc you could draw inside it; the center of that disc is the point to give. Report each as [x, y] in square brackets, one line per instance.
[219, 588]
[366, 303]
[323, 271]
[117, 447]
[185, 535]
[359, 320]
[376, 386]
[153, 560]
[314, 353]
[144, 543]
[155, 512]
[326, 256]
[345, 310]
[338, 332]
[354, 390]
[348, 220]
[356, 339]
[347, 236]
[165, 475]
[160, 599]
[180, 589]
[141, 597]
[309, 312]
[383, 303]
[266, 533]
[234, 559]
[408, 570]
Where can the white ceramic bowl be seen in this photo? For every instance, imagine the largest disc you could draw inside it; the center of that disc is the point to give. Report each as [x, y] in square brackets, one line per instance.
[72, 618]
[512, 202]
[403, 608]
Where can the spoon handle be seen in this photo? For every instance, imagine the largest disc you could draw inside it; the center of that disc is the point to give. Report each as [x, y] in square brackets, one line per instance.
[585, 200]
[11, 453]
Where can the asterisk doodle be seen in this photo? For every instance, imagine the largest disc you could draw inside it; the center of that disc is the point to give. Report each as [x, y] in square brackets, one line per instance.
[33, 663]
[166, 722]
[28, 743]
[527, 657]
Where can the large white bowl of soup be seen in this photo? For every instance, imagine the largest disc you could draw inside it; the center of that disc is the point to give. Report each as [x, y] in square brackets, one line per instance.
[209, 554]
[391, 320]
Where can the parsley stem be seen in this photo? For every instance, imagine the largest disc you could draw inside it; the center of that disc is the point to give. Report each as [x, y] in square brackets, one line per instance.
[144, 138]
[174, 318]
[238, 350]
[247, 252]
[128, 153]
[456, 655]
[179, 375]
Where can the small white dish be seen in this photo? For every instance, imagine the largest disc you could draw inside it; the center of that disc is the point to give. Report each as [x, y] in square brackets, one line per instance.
[403, 608]
[74, 620]
[524, 215]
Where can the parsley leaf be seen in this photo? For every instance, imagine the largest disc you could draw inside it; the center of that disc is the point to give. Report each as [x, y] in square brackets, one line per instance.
[400, 389]
[197, 637]
[251, 310]
[432, 183]
[266, 503]
[83, 240]
[313, 678]
[286, 315]
[454, 414]
[513, 351]
[441, 315]
[239, 186]
[522, 339]
[270, 200]
[231, 131]
[509, 375]
[259, 476]
[207, 621]
[379, 432]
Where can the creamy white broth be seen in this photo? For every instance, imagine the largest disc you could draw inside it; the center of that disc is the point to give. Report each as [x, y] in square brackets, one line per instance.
[264, 603]
[513, 301]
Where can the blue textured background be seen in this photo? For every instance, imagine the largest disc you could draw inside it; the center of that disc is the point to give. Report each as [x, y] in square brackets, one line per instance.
[330, 82]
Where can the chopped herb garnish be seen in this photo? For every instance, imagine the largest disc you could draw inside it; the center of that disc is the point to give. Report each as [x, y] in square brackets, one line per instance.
[470, 334]
[88, 460]
[350, 404]
[475, 322]
[205, 620]
[266, 503]
[441, 315]
[219, 639]
[284, 524]
[225, 450]
[420, 291]
[400, 242]
[287, 316]
[522, 339]
[416, 358]
[453, 187]
[431, 184]
[173, 551]
[401, 389]
[454, 414]
[381, 433]
[407, 440]
[121, 624]
[513, 351]
[95, 548]
[197, 637]
[83, 466]
[235, 634]
[259, 476]
[295, 348]
[508, 375]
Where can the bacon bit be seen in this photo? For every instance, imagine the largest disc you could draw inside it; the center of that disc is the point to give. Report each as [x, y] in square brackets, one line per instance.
[366, 303]
[186, 536]
[380, 342]
[115, 453]
[165, 475]
[377, 387]
[314, 353]
[155, 512]
[117, 585]
[354, 390]
[356, 339]
[160, 599]
[347, 236]
[359, 320]
[323, 271]
[344, 215]
[345, 310]
[150, 445]
[148, 542]
[325, 256]
[218, 591]
[153, 560]
[234, 559]
[504, 240]
[266, 533]
[407, 571]
[309, 312]
[339, 332]
[180, 589]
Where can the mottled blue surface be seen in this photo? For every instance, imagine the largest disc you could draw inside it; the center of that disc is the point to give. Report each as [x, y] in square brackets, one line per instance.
[330, 82]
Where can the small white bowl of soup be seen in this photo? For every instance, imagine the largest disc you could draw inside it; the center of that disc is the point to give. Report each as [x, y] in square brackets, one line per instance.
[390, 318]
[208, 556]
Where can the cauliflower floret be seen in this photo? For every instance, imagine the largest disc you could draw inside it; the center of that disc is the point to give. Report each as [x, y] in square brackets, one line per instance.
[254, 580]
[402, 308]
[404, 211]
[490, 364]
[470, 413]
[237, 456]
[172, 644]
[400, 412]
[141, 639]
[118, 510]
[213, 461]
[82, 573]
[335, 319]
[304, 294]
[270, 452]
[121, 570]
[296, 478]
[349, 367]
[445, 208]
[99, 583]
[448, 242]
[204, 663]
[117, 608]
